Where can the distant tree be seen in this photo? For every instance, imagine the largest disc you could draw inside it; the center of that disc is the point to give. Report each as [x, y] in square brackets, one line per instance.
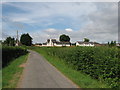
[112, 43]
[26, 39]
[1, 42]
[9, 41]
[64, 38]
[86, 40]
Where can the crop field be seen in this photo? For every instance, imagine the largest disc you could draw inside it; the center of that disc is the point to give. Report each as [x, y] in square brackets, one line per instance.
[10, 53]
[101, 63]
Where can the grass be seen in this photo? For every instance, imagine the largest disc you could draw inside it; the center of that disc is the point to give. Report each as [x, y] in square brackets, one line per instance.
[11, 73]
[0, 79]
[82, 80]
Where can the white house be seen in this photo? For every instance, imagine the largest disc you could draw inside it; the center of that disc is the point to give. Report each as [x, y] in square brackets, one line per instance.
[118, 44]
[53, 42]
[81, 43]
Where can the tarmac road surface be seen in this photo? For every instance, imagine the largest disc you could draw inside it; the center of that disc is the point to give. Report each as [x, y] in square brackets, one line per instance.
[39, 73]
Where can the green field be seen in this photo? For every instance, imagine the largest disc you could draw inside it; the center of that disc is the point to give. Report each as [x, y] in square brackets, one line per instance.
[88, 67]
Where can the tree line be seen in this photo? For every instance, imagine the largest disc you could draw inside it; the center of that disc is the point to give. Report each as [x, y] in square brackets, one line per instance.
[26, 39]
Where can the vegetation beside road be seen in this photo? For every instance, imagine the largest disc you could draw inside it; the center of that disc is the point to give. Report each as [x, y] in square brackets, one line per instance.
[11, 74]
[12, 58]
[9, 54]
[99, 63]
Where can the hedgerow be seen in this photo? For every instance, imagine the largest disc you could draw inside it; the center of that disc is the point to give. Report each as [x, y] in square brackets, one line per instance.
[10, 53]
[102, 63]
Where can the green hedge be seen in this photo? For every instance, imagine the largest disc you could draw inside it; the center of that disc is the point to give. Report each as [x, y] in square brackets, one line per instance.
[101, 63]
[10, 53]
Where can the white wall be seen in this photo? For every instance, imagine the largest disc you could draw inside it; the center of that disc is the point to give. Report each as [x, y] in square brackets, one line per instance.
[77, 44]
[44, 45]
[54, 44]
[60, 45]
[50, 43]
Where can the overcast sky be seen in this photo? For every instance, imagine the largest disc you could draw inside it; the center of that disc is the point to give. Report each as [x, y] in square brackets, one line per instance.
[43, 20]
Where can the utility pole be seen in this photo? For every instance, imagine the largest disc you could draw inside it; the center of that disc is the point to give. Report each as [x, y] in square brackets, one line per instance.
[17, 39]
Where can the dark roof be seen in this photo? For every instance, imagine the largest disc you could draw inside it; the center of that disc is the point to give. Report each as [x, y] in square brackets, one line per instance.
[72, 43]
[57, 42]
[81, 42]
[38, 44]
[96, 43]
[54, 40]
[62, 42]
[44, 43]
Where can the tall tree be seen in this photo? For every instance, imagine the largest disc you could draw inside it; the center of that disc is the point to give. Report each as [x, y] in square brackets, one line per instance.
[64, 38]
[26, 39]
[112, 43]
[86, 40]
[9, 41]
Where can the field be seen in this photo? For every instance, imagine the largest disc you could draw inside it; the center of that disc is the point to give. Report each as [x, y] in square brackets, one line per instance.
[100, 63]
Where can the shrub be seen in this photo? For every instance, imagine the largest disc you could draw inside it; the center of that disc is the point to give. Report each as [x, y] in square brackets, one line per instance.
[9, 53]
[100, 63]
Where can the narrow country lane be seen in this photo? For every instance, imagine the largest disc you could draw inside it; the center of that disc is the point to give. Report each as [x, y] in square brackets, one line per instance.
[39, 73]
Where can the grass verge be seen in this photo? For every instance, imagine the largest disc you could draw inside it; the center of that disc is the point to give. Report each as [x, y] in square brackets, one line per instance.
[82, 80]
[12, 73]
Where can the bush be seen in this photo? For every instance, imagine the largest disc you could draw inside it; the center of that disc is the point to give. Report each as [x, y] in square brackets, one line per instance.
[100, 63]
[10, 53]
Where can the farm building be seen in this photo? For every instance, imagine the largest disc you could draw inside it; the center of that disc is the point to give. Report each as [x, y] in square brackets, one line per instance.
[81, 43]
[118, 44]
[53, 42]
[38, 44]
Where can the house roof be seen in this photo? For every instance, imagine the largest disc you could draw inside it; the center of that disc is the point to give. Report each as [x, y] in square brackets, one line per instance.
[44, 43]
[81, 42]
[72, 43]
[53, 40]
[57, 42]
[62, 42]
[38, 44]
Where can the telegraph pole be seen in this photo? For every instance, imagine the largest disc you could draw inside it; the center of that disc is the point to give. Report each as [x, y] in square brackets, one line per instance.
[17, 39]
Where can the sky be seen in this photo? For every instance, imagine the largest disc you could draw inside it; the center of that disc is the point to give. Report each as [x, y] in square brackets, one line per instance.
[97, 21]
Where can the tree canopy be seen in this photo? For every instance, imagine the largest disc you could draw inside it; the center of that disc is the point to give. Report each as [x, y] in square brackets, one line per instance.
[26, 39]
[9, 41]
[86, 40]
[112, 43]
[64, 38]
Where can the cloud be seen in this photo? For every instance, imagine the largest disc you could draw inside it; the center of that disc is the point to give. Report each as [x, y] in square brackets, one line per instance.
[49, 10]
[68, 30]
[51, 30]
[19, 19]
[97, 21]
